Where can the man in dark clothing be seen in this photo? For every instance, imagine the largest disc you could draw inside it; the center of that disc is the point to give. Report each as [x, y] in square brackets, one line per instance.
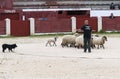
[87, 36]
[112, 6]
[111, 16]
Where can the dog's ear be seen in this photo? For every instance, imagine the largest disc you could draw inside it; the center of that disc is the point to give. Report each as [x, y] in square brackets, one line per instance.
[15, 44]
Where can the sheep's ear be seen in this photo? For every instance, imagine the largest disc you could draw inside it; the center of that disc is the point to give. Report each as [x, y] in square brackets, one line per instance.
[77, 34]
[105, 37]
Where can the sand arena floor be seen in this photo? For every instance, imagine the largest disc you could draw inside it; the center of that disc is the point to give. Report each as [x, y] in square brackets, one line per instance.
[33, 60]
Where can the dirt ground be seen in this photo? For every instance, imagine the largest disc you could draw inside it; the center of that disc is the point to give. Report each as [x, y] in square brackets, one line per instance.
[33, 60]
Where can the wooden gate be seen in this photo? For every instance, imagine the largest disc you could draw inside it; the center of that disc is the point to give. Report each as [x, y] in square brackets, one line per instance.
[111, 24]
[20, 28]
[92, 22]
[54, 25]
[2, 28]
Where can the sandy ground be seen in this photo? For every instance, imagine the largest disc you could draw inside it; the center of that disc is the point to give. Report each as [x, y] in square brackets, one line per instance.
[33, 60]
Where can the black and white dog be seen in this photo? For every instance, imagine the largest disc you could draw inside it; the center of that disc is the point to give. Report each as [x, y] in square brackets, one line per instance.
[9, 47]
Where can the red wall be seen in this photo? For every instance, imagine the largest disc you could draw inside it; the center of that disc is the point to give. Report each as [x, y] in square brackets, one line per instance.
[2, 28]
[40, 14]
[111, 24]
[53, 21]
[46, 25]
[20, 28]
[54, 25]
[12, 16]
[92, 22]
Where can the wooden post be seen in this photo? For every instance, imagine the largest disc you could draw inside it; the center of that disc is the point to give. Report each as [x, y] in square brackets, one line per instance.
[32, 26]
[73, 24]
[8, 31]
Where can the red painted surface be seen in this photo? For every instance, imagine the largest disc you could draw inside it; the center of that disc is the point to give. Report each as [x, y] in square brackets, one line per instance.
[12, 16]
[93, 22]
[2, 28]
[111, 24]
[40, 14]
[6, 4]
[20, 28]
[54, 25]
[53, 21]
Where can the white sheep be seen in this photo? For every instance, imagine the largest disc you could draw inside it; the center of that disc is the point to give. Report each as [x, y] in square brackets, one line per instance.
[94, 35]
[99, 41]
[79, 41]
[69, 40]
[52, 41]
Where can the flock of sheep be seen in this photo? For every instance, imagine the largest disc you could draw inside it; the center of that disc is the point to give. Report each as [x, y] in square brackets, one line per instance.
[76, 40]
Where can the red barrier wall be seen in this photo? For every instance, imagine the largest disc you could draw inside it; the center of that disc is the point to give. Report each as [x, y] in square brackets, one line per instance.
[20, 28]
[111, 24]
[12, 16]
[93, 22]
[54, 25]
[2, 28]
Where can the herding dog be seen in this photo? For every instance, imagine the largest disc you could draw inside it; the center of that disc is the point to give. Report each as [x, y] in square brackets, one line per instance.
[9, 47]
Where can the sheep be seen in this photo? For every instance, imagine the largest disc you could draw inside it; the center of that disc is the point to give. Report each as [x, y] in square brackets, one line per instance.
[69, 40]
[50, 41]
[92, 36]
[99, 41]
[80, 42]
[95, 35]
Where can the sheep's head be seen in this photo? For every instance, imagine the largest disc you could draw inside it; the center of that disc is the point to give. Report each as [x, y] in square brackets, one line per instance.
[105, 38]
[77, 34]
[55, 38]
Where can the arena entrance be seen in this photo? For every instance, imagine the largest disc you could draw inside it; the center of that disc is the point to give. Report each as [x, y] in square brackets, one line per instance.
[20, 28]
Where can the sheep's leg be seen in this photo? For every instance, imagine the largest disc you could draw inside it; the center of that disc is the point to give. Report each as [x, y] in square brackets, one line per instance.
[103, 46]
[61, 44]
[54, 43]
[70, 45]
[77, 47]
[46, 43]
[94, 46]
[98, 47]
[50, 43]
